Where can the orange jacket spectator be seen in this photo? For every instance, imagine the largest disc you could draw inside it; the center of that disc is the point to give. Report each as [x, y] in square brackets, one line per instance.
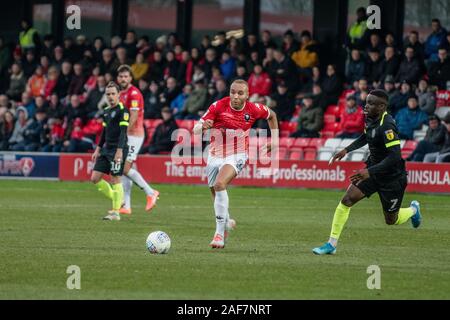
[36, 83]
[306, 56]
[259, 82]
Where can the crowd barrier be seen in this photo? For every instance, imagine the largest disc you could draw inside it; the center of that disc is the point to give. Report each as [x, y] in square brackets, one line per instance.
[422, 177]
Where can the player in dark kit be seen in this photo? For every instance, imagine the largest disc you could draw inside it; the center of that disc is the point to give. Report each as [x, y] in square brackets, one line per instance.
[112, 150]
[385, 172]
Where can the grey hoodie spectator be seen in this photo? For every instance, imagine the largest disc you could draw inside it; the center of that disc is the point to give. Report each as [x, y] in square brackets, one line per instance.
[17, 140]
[426, 96]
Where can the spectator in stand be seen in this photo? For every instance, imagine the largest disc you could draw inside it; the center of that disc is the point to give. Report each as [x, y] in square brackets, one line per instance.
[410, 69]
[228, 65]
[6, 129]
[439, 71]
[107, 64]
[426, 96]
[433, 141]
[267, 41]
[409, 119]
[58, 57]
[186, 69]
[400, 98]
[311, 82]
[282, 104]
[435, 40]
[34, 134]
[307, 56]
[198, 74]
[28, 104]
[17, 83]
[443, 155]
[374, 68]
[76, 85]
[54, 134]
[171, 66]
[17, 140]
[5, 104]
[241, 73]
[152, 105]
[139, 69]
[390, 41]
[76, 109]
[319, 98]
[210, 63]
[391, 63]
[41, 105]
[285, 71]
[290, 44]
[234, 46]
[36, 84]
[29, 64]
[162, 138]
[91, 82]
[77, 143]
[221, 90]
[361, 92]
[356, 33]
[195, 102]
[375, 44]
[171, 91]
[332, 85]
[98, 47]
[356, 67]
[52, 80]
[259, 83]
[96, 100]
[251, 45]
[413, 41]
[205, 45]
[130, 44]
[310, 120]
[220, 43]
[28, 37]
[64, 80]
[389, 87]
[156, 72]
[177, 104]
[55, 109]
[352, 120]
[45, 64]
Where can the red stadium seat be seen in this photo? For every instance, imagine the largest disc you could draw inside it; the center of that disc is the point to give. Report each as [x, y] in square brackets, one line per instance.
[310, 154]
[442, 98]
[410, 145]
[296, 154]
[152, 123]
[288, 126]
[316, 142]
[333, 110]
[282, 153]
[186, 124]
[406, 153]
[346, 93]
[286, 142]
[331, 126]
[301, 142]
[329, 118]
[327, 134]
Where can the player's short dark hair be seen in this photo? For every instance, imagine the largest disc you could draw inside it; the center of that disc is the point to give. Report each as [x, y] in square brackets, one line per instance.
[112, 84]
[380, 94]
[124, 68]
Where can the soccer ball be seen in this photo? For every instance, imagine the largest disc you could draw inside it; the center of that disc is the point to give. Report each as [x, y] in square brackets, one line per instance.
[158, 242]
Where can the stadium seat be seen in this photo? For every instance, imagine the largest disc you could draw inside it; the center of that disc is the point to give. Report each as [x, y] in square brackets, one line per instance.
[152, 123]
[310, 154]
[406, 153]
[316, 142]
[327, 134]
[442, 111]
[346, 142]
[325, 153]
[331, 126]
[357, 155]
[333, 110]
[301, 142]
[329, 118]
[296, 154]
[419, 135]
[286, 142]
[410, 145]
[333, 143]
[186, 124]
[282, 153]
[442, 98]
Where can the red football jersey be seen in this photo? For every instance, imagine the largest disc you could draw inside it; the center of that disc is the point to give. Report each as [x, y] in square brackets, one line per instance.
[231, 127]
[133, 100]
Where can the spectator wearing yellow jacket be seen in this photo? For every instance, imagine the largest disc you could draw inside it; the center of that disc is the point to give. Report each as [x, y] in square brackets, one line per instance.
[306, 56]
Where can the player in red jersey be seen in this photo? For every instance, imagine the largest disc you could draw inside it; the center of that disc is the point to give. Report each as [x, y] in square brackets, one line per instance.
[230, 119]
[131, 98]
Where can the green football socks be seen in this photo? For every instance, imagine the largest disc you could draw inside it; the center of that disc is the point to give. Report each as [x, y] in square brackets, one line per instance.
[117, 196]
[105, 188]
[404, 214]
[340, 218]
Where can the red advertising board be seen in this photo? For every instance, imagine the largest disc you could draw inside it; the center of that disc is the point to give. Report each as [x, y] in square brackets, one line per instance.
[293, 174]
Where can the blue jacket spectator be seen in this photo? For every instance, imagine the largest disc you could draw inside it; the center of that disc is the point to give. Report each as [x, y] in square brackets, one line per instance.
[409, 119]
[356, 67]
[435, 40]
[228, 66]
[177, 104]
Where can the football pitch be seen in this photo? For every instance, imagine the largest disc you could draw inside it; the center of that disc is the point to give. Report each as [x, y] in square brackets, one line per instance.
[47, 226]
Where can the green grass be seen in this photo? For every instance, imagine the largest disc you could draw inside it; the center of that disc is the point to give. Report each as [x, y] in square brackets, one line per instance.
[47, 226]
